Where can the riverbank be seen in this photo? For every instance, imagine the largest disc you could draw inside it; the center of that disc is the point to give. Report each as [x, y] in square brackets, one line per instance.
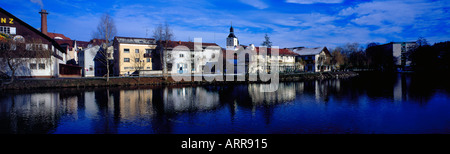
[136, 81]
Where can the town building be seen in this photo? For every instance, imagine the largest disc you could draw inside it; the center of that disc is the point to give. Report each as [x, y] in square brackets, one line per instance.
[93, 61]
[36, 43]
[315, 59]
[400, 51]
[72, 48]
[132, 55]
[86, 61]
[104, 59]
[286, 58]
[186, 57]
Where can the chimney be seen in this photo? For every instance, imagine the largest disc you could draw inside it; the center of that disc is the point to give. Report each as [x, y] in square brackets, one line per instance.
[43, 21]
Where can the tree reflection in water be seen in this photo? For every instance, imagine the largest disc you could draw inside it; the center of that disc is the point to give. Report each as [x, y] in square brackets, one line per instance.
[209, 109]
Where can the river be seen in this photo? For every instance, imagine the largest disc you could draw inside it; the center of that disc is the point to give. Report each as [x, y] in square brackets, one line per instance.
[381, 104]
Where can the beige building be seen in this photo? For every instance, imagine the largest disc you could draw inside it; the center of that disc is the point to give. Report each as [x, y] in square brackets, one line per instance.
[132, 55]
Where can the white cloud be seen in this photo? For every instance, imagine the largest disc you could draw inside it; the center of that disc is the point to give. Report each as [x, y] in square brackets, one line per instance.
[314, 1]
[255, 3]
[378, 21]
[380, 13]
[401, 20]
[39, 2]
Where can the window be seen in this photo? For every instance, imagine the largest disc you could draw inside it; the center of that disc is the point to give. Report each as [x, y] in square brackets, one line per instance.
[136, 59]
[126, 60]
[41, 66]
[136, 50]
[33, 66]
[126, 50]
[148, 59]
[4, 29]
[148, 51]
[13, 30]
[181, 55]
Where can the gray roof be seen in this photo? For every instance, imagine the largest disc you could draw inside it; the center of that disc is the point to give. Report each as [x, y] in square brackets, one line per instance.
[308, 51]
[134, 40]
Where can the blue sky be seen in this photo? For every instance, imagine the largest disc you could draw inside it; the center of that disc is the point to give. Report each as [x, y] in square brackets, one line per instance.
[289, 23]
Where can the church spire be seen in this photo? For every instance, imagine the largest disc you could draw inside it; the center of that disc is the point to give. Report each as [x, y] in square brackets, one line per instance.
[231, 31]
[232, 40]
[231, 28]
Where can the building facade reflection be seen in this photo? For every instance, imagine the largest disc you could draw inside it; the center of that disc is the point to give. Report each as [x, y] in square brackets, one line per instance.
[173, 109]
[189, 99]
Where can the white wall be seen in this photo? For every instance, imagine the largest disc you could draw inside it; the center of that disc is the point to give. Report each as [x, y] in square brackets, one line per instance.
[25, 71]
[86, 60]
[209, 54]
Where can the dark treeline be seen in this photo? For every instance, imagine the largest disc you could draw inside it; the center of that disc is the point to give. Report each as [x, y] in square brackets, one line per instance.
[423, 57]
[431, 58]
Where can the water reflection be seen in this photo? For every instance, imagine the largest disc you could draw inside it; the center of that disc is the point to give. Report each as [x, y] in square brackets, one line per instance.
[34, 113]
[174, 109]
[189, 99]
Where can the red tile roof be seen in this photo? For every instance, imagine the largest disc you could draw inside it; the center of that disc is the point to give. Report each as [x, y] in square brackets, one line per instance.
[82, 44]
[190, 45]
[95, 42]
[282, 52]
[54, 35]
[65, 42]
[70, 43]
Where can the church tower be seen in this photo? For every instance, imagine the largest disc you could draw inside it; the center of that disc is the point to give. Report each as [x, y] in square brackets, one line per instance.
[232, 40]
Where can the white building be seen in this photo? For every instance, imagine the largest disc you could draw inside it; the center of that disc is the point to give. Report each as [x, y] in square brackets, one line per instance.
[35, 42]
[285, 59]
[400, 51]
[316, 59]
[191, 57]
[86, 61]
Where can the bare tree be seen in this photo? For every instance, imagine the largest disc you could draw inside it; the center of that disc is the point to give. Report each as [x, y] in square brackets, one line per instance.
[163, 34]
[421, 41]
[16, 53]
[139, 64]
[106, 30]
[337, 58]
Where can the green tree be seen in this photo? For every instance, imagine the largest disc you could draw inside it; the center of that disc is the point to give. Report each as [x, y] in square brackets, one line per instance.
[267, 41]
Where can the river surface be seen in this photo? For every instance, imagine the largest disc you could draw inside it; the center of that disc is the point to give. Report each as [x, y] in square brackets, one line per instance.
[395, 103]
